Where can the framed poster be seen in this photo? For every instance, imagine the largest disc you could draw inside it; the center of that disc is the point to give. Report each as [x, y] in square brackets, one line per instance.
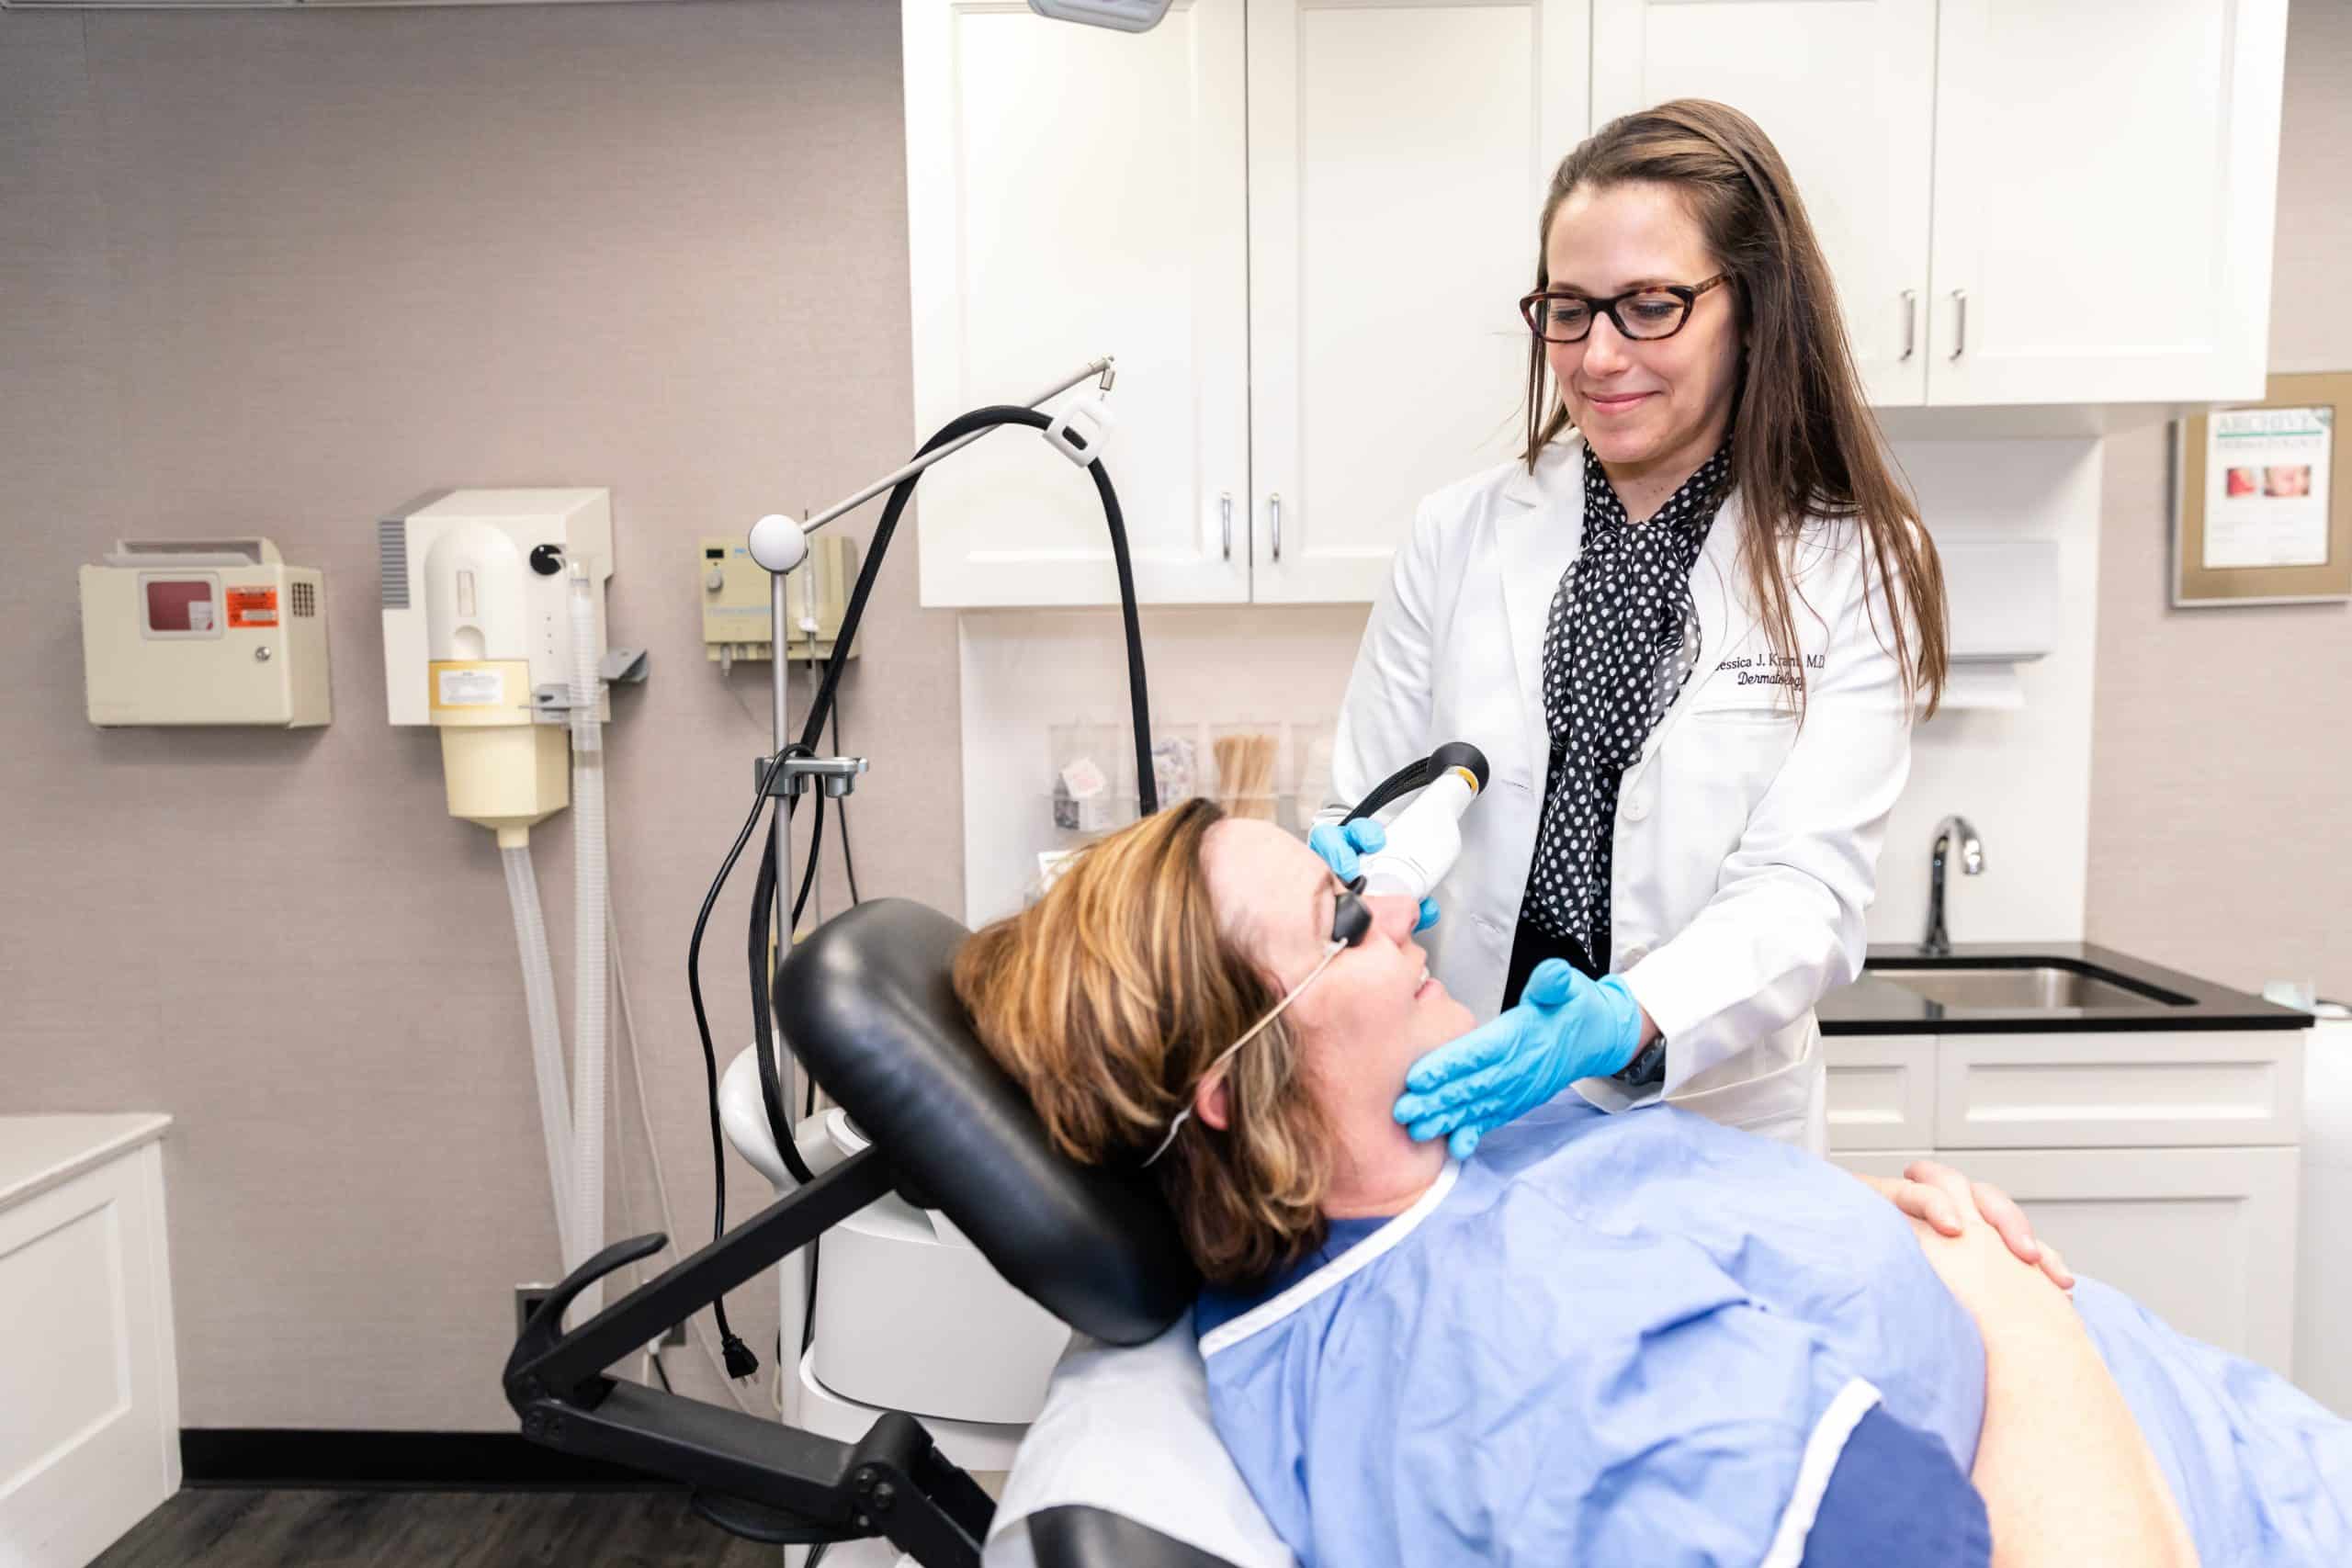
[2257, 515]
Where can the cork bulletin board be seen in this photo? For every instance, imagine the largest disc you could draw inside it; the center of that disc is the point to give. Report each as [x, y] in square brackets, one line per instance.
[2260, 516]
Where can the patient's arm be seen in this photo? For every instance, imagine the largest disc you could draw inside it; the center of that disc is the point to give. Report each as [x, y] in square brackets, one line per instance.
[2066, 1475]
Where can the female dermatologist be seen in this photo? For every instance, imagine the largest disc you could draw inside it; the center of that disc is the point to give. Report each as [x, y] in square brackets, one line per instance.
[1688, 627]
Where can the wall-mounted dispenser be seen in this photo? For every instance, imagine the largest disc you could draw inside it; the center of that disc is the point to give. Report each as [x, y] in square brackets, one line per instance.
[203, 631]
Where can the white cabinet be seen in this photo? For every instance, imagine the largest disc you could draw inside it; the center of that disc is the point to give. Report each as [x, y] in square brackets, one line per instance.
[89, 1391]
[2164, 1164]
[1314, 320]
[1301, 226]
[2106, 182]
[1846, 89]
[2095, 1090]
[1881, 1091]
[1398, 157]
[2022, 202]
[1071, 192]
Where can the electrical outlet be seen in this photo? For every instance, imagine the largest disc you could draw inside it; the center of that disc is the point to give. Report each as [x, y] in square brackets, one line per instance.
[526, 1302]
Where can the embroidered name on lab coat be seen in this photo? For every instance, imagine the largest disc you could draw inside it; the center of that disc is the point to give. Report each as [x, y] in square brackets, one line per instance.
[1773, 669]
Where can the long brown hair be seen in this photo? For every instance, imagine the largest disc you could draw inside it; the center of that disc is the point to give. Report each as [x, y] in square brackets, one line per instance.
[1107, 999]
[1804, 442]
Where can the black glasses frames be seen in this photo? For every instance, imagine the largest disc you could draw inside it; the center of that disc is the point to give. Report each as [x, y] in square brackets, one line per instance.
[1641, 315]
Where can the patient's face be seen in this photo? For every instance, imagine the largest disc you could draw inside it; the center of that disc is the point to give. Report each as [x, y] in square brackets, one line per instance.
[1375, 1010]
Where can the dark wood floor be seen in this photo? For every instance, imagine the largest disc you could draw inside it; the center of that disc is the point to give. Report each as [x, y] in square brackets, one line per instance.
[218, 1528]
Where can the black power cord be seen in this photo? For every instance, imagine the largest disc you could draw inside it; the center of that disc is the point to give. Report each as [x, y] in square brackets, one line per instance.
[741, 1362]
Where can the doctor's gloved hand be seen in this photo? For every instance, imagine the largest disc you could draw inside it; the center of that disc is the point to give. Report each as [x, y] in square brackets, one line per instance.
[1565, 1027]
[1342, 847]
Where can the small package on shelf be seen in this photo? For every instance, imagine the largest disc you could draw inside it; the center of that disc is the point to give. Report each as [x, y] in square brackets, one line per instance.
[1087, 793]
[1176, 765]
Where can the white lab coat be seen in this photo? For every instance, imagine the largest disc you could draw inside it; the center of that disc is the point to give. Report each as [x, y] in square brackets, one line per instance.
[1746, 848]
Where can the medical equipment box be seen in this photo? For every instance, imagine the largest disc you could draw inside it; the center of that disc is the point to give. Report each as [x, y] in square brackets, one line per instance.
[203, 631]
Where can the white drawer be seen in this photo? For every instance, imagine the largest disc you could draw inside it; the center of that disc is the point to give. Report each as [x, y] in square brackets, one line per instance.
[1881, 1091]
[2124, 1089]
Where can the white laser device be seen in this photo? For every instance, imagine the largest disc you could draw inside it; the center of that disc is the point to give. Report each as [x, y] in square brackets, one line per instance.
[1426, 837]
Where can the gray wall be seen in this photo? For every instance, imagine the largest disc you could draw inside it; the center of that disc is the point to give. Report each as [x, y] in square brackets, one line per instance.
[276, 273]
[2221, 836]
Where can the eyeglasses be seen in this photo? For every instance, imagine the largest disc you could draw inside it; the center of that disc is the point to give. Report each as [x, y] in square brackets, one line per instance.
[1351, 923]
[1645, 315]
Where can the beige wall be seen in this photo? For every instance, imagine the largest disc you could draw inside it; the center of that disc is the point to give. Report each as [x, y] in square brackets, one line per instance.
[2221, 836]
[276, 274]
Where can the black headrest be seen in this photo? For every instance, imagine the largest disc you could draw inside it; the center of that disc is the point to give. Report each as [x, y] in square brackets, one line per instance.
[866, 1002]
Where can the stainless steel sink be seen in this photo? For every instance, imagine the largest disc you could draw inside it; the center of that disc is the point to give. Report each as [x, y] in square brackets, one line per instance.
[2024, 988]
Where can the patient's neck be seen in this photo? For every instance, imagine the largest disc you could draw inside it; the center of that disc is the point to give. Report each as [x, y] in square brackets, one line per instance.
[1379, 1170]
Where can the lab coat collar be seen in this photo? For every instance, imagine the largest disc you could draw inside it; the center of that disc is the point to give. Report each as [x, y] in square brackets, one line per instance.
[1539, 529]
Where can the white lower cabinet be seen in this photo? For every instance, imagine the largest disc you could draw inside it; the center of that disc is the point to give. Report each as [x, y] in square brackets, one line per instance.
[89, 1393]
[2199, 1232]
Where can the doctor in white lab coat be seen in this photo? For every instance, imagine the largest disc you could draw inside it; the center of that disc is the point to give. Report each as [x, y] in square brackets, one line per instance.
[1702, 585]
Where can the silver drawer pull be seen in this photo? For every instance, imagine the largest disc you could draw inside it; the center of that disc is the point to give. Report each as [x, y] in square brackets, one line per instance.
[1959, 322]
[1274, 510]
[1225, 521]
[1910, 322]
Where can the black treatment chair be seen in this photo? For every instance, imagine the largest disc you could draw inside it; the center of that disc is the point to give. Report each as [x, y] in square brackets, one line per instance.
[866, 1002]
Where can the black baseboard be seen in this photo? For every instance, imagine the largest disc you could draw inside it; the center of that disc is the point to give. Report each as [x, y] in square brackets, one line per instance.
[454, 1462]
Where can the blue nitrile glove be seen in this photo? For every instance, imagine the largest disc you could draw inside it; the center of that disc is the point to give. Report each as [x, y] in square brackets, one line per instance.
[1565, 1027]
[1341, 846]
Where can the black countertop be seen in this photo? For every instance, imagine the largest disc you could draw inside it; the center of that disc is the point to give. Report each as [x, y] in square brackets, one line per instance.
[1875, 1006]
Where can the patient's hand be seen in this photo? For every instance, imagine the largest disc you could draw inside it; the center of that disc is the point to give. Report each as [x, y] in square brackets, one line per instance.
[1936, 1195]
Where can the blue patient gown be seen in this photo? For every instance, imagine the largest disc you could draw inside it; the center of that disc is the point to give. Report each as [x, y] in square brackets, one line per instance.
[1645, 1338]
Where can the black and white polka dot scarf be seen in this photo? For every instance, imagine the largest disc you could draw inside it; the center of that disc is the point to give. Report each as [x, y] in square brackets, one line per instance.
[1622, 642]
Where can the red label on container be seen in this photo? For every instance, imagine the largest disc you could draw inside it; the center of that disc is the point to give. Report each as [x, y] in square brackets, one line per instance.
[252, 607]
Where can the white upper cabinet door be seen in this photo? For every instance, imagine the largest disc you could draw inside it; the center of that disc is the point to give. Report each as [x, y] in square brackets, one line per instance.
[1398, 156]
[2105, 179]
[1846, 90]
[1073, 192]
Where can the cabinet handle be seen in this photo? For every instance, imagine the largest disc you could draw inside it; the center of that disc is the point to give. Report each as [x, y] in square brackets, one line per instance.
[1225, 521]
[1910, 322]
[1959, 322]
[1274, 510]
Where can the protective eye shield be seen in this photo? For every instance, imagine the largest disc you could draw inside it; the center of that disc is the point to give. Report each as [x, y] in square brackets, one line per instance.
[1351, 923]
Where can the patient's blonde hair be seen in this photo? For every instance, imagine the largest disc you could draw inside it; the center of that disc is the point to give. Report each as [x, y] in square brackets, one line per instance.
[1107, 999]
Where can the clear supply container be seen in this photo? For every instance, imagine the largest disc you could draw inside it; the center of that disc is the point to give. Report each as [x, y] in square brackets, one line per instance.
[1180, 763]
[1311, 742]
[1248, 765]
[1092, 777]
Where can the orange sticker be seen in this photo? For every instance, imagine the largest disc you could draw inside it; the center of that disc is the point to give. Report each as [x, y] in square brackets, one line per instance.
[252, 607]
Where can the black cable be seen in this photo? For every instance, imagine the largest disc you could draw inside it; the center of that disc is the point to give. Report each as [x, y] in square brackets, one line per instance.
[741, 1362]
[841, 803]
[1146, 787]
[1404, 780]
[780, 1125]
[816, 845]
[822, 709]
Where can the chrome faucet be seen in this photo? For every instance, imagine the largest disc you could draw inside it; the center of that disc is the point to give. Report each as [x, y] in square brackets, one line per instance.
[1938, 941]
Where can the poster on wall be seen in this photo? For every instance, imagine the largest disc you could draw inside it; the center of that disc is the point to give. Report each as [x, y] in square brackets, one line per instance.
[2257, 517]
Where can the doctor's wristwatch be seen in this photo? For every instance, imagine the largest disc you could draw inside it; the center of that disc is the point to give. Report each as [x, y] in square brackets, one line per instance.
[1648, 1065]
